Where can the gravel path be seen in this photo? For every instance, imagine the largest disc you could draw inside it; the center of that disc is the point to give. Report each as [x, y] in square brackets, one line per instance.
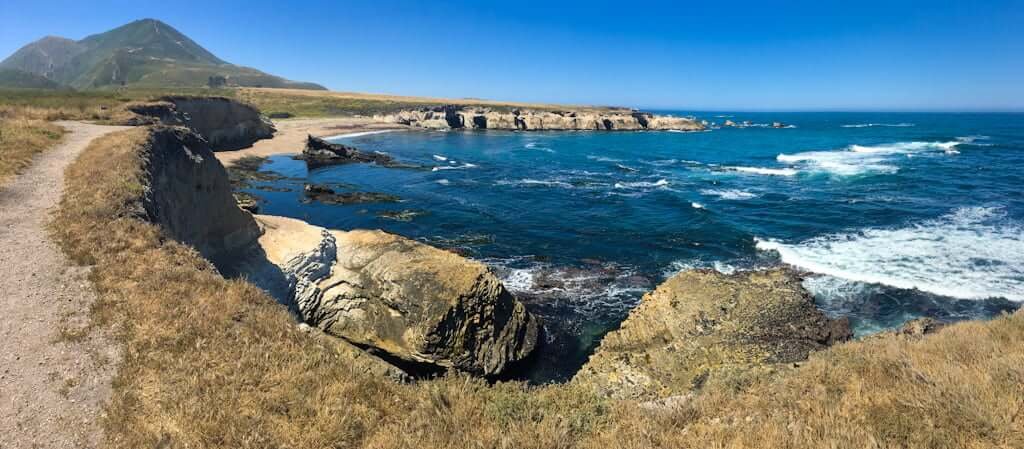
[52, 387]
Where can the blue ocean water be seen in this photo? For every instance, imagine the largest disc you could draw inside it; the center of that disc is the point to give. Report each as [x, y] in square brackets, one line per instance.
[894, 216]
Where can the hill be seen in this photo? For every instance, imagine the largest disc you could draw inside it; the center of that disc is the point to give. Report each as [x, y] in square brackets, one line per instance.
[18, 79]
[145, 53]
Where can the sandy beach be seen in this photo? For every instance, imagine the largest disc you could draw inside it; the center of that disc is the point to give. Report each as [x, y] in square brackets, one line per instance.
[291, 135]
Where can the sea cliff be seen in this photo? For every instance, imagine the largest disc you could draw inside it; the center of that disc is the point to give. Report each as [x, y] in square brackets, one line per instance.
[460, 117]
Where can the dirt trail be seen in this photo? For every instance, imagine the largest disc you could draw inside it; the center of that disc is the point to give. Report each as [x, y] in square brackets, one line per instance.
[52, 384]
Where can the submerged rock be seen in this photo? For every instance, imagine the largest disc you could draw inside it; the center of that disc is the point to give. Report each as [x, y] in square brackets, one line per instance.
[406, 301]
[702, 324]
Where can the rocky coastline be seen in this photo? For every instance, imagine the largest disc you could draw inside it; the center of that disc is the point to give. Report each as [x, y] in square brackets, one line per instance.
[462, 117]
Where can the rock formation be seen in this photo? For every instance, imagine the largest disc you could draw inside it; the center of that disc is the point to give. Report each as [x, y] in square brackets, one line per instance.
[403, 300]
[459, 117]
[225, 123]
[319, 152]
[189, 196]
[702, 325]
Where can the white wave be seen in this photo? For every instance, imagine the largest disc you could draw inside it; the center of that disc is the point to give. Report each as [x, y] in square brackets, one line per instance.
[603, 159]
[729, 194]
[641, 184]
[971, 253]
[872, 125]
[626, 168]
[359, 134]
[453, 167]
[765, 171]
[438, 157]
[861, 159]
[660, 162]
[535, 146]
[535, 182]
[696, 205]
[680, 266]
[443, 182]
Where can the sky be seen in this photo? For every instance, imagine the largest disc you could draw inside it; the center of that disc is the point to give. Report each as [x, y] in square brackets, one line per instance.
[735, 55]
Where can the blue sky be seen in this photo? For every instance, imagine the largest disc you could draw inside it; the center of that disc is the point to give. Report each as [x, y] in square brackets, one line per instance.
[737, 55]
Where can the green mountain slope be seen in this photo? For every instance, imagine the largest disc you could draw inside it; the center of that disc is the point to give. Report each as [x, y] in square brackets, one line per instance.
[145, 52]
[17, 79]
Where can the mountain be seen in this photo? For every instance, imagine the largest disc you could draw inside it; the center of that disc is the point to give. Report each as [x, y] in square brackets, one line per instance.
[145, 53]
[24, 80]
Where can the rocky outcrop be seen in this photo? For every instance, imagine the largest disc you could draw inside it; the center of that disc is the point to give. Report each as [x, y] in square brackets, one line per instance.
[319, 152]
[459, 117]
[702, 325]
[225, 123]
[189, 196]
[406, 301]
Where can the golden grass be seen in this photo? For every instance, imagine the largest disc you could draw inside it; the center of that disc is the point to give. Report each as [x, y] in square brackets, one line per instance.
[318, 103]
[215, 363]
[21, 139]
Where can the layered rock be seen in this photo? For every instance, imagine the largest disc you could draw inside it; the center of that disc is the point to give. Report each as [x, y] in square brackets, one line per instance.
[702, 325]
[188, 194]
[459, 117]
[225, 123]
[399, 298]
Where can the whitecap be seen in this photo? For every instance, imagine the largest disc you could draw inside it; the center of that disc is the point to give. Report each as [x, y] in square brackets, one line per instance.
[626, 168]
[453, 167]
[535, 146]
[729, 194]
[696, 205]
[603, 159]
[765, 171]
[871, 125]
[641, 184]
[971, 253]
[536, 182]
[860, 159]
[438, 157]
[443, 182]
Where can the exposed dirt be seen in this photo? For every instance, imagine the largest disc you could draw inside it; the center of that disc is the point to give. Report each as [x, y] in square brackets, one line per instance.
[54, 375]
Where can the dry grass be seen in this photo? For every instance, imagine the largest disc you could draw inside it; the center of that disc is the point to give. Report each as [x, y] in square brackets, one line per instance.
[216, 363]
[21, 139]
[310, 103]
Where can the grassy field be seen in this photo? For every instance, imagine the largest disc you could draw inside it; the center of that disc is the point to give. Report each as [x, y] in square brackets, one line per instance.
[215, 363]
[21, 139]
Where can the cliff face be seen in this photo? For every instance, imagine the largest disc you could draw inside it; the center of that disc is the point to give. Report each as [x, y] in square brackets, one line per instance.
[410, 302]
[457, 117]
[188, 194]
[703, 326]
[224, 123]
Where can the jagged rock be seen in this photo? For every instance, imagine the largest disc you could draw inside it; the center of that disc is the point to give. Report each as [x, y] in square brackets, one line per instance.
[327, 195]
[225, 123]
[729, 123]
[409, 302]
[461, 117]
[319, 152]
[701, 325]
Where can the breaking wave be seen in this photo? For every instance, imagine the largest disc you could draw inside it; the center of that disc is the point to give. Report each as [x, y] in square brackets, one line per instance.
[860, 159]
[765, 171]
[729, 194]
[871, 125]
[971, 253]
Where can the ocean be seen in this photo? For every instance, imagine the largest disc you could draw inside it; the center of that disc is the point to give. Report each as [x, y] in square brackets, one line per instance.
[892, 216]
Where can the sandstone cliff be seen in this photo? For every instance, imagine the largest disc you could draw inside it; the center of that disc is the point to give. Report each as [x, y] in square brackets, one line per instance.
[407, 301]
[458, 117]
[702, 326]
[225, 123]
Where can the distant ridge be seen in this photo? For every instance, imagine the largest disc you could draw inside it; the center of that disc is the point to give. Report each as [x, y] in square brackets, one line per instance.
[146, 53]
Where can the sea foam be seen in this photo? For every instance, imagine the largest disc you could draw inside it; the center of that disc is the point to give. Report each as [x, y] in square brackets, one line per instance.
[861, 159]
[970, 253]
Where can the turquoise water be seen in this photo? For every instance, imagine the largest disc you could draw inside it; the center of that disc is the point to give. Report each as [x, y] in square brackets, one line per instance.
[894, 216]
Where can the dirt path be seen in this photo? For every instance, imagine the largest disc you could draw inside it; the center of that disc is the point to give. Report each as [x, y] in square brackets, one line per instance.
[53, 382]
[291, 135]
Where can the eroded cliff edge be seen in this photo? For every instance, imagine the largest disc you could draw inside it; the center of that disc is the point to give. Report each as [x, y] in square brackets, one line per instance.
[226, 124]
[462, 117]
[422, 308]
